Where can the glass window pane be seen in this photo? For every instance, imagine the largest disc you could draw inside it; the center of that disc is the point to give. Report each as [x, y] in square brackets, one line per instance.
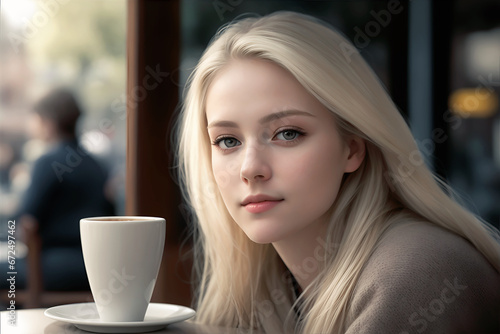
[80, 45]
[474, 101]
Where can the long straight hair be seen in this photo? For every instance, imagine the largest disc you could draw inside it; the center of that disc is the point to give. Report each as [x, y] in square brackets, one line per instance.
[244, 284]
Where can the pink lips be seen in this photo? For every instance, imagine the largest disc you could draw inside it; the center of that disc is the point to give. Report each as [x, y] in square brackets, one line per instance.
[260, 203]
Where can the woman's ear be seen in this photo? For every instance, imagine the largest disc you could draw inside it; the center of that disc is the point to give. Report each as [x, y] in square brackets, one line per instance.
[357, 149]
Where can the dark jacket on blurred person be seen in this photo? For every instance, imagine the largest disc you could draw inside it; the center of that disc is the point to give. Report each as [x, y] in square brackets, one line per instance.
[67, 184]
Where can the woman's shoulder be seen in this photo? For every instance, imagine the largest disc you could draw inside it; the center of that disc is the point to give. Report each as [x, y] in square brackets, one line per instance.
[427, 278]
[424, 247]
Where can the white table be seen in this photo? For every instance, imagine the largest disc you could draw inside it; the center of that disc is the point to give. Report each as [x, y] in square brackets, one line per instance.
[33, 321]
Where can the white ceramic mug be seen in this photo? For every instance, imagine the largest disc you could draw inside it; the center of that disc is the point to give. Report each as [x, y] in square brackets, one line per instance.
[122, 257]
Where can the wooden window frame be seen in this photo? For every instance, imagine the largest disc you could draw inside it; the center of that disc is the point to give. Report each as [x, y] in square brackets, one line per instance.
[153, 53]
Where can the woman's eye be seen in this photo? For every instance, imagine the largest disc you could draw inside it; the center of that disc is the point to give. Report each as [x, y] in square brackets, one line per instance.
[227, 143]
[288, 135]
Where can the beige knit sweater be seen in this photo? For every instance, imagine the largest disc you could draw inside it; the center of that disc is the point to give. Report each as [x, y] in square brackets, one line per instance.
[423, 279]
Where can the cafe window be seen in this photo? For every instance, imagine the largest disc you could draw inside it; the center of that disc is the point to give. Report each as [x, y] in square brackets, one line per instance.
[474, 108]
[80, 45]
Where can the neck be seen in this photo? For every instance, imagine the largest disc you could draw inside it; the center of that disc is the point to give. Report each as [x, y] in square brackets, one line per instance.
[304, 253]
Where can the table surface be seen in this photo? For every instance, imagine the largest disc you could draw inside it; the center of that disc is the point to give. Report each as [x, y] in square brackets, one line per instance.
[33, 321]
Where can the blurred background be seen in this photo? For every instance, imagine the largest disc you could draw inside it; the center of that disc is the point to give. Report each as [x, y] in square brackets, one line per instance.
[439, 60]
[45, 45]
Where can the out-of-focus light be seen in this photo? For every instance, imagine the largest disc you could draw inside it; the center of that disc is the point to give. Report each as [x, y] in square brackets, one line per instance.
[473, 102]
[96, 142]
[18, 12]
[482, 52]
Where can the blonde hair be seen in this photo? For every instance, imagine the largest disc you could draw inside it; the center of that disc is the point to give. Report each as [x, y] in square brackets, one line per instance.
[241, 283]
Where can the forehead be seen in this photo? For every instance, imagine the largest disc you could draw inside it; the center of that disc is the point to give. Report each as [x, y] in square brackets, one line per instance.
[256, 86]
[249, 73]
[255, 67]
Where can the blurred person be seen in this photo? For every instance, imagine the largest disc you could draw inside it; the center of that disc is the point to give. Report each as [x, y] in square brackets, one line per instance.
[67, 184]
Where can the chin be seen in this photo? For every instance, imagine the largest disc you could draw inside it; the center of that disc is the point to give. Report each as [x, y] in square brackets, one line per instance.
[264, 236]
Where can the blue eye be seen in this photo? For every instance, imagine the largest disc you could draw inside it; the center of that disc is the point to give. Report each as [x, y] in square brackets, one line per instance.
[226, 143]
[288, 135]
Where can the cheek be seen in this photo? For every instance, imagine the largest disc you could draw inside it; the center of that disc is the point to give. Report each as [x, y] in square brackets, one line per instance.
[320, 175]
[225, 172]
[219, 174]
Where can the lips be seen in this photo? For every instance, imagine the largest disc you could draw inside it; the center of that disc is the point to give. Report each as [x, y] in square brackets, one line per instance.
[259, 198]
[260, 203]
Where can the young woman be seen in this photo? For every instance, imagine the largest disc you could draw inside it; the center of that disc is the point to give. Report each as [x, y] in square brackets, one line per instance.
[314, 210]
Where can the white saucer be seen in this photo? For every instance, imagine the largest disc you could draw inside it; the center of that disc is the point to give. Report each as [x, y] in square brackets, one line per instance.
[85, 317]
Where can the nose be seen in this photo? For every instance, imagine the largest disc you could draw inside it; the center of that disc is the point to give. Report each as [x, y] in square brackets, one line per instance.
[255, 166]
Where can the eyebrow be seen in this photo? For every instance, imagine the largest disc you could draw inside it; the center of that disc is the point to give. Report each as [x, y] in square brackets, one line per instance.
[263, 120]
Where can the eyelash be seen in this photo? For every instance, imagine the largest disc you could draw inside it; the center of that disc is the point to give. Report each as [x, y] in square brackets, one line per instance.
[218, 140]
[300, 133]
[296, 130]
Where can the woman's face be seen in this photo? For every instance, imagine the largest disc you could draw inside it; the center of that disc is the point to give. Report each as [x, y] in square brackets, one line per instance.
[277, 156]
